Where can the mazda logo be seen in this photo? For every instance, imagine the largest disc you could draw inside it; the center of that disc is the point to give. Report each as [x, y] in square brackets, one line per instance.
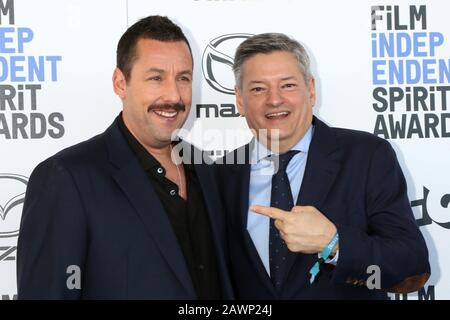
[218, 59]
[12, 196]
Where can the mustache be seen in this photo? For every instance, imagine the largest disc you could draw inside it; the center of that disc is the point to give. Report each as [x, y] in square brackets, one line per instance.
[179, 106]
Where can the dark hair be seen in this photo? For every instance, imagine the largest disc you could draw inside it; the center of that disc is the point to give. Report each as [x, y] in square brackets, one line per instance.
[152, 27]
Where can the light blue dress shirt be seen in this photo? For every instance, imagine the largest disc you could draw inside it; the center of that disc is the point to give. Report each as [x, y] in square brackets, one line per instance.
[261, 172]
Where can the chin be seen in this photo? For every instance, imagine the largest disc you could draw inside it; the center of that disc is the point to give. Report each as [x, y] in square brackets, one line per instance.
[281, 135]
[165, 138]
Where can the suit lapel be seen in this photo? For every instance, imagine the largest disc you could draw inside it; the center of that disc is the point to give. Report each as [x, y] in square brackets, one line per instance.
[322, 167]
[241, 175]
[209, 190]
[135, 184]
[216, 217]
[210, 196]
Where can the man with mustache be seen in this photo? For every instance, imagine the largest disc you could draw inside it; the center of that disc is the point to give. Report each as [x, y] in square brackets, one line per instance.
[314, 211]
[116, 217]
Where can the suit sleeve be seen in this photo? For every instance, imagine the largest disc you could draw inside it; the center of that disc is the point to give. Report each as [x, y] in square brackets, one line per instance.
[53, 236]
[392, 240]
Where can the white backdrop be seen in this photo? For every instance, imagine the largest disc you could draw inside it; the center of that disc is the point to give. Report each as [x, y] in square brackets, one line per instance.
[76, 101]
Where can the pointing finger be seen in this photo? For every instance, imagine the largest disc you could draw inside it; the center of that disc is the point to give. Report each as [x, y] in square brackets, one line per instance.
[270, 212]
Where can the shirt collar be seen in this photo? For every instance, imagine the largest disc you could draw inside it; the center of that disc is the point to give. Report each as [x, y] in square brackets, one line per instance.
[260, 151]
[145, 158]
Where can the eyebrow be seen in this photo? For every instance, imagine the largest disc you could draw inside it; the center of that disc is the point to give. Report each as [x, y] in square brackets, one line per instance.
[255, 82]
[289, 78]
[156, 70]
[161, 71]
[282, 79]
[188, 72]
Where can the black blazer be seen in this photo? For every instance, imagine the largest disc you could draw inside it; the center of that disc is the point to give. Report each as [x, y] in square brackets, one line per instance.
[355, 180]
[93, 206]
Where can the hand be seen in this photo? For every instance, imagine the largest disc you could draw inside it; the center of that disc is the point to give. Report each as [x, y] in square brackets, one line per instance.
[305, 229]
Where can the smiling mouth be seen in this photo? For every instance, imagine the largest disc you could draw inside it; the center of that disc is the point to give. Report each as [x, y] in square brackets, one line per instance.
[277, 115]
[168, 114]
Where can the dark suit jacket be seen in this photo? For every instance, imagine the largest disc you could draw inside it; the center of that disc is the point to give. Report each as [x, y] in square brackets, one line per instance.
[93, 206]
[355, 180]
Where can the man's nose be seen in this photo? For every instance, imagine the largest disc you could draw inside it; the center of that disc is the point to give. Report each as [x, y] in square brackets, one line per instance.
[171, 93]
[274, 97]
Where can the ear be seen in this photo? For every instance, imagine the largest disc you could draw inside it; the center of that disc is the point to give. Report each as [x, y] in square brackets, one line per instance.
[239, 101]
[119, 83]
[312, 91]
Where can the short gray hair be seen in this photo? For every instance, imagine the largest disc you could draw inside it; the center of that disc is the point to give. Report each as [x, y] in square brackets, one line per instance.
[268, 43]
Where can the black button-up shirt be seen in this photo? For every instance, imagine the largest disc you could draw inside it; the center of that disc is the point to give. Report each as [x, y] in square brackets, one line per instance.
[189, 219]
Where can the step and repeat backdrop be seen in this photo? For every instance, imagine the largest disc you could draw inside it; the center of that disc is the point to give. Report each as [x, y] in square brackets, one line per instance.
[380, 66]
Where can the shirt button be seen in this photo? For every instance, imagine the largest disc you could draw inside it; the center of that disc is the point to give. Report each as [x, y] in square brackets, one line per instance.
[160, 170]
[173, 192]
[201, 267]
